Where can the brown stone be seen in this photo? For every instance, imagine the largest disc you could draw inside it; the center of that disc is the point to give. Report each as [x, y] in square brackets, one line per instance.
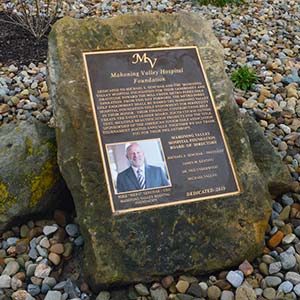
[222, 275]
[223, 284]
[253, 282]
[22, 246]
[296, 206]
[36, 280]
[60, 217]
[295, 186]
[84, 287]
[240, 100]
[59, 236]
[54, 258]
[4, 108]
[246, 268]
[113, 244]
[57, 248]
[182, 286]
[295, 124]
[20, 295]
[276, 239]
[11, 251]
[20, 275]
[285, 213]
[287, 229]
[167, 281]
[34, 232]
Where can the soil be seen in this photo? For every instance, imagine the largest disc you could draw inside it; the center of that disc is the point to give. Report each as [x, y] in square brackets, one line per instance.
[19, 47]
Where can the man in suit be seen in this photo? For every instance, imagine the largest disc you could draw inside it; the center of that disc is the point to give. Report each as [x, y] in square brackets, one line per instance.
[139, 175]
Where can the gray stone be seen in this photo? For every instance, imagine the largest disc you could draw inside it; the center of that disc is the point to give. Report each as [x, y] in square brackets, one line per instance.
[297, 289]
[104, 295]
[60, 286]
[33, 289]
[293, 277]
[53, 295]
[111, 257]
[195, 290]
[184, 296]
[30, 181]
[244, 292]
[33, 253]
[227, 295]
[161, 7]
[285, 287]
[11, 268]
[45, 288]
[72, 230]
[30, 270]
[159, 293]
[79, 241]
[141, 289]
[288, 261]
[48, 230]
[12, 241]
[5, 281]
[71, 289]
[269, 293]
[213, 292]
[50, 281]
[272, 281]
[274, 267]
[42, 252]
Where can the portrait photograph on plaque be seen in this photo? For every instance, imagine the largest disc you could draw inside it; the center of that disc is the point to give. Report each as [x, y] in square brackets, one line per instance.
[160, 137]
[137, 165]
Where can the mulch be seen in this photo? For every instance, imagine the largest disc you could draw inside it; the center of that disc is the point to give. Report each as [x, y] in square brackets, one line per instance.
[18, 46]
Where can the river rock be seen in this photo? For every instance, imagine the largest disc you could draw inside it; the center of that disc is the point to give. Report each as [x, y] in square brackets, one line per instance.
[201, 236]
[30, 181]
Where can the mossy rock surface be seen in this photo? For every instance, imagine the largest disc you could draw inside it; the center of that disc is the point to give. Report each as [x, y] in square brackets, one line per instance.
[30, 181]
[197, 237]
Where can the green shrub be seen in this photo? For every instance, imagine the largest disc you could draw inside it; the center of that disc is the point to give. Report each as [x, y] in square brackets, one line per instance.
[243, 78]
[35, 16]
[221, 2]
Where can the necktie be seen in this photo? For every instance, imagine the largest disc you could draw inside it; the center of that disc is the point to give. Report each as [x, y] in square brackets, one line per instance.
[141, 178]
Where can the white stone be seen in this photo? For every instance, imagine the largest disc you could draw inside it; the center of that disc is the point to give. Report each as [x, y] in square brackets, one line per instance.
[11, 268]
[297, 289]
[293, 277]
[235, 278]
[42, 271]
[5, 281]
[286, 129]
[227, 295]
[47, 230]
[53, 295]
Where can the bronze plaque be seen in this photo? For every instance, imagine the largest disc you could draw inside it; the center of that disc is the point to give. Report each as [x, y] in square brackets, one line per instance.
[160, 136]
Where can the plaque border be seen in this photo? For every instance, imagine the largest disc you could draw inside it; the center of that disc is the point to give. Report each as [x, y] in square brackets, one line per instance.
[163, 154]
[107, 168]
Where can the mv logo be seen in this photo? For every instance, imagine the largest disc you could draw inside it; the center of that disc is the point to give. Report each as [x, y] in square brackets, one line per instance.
[144, 58]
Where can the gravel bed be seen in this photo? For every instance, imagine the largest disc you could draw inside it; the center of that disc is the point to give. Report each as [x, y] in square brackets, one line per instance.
[263, 35]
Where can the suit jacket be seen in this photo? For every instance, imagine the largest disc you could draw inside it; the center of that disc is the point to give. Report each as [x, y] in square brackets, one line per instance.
[154, 177]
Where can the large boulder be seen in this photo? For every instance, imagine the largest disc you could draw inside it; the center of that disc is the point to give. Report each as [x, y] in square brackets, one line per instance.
[197, 237]
[30, 181]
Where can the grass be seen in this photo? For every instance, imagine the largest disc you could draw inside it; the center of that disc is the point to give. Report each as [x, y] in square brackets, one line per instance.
[243, 78]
